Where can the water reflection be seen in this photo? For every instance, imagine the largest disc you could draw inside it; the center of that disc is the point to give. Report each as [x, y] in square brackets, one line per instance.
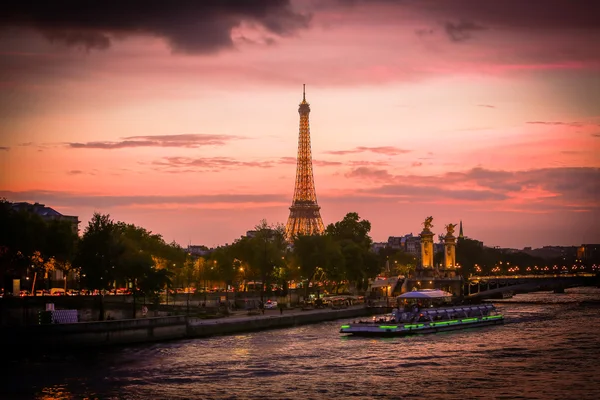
[544, 350]
[58, 392]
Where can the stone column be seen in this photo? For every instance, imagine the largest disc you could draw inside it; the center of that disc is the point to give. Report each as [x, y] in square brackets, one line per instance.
[450, 254]
[427, 251]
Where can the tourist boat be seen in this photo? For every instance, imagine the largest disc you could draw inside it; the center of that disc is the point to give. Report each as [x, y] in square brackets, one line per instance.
[431, 312]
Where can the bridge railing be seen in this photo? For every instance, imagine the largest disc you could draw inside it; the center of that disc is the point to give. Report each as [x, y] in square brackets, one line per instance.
[545, 276]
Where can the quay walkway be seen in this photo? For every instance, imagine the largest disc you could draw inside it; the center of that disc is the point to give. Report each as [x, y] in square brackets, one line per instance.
[141, 330]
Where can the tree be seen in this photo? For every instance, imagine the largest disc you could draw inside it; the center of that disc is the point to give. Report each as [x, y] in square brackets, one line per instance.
[314, 253]
[98, 252]
[353, 229]
[352, 234]
[61, 245]
[226, 262]
[264, 252]
[21, 236]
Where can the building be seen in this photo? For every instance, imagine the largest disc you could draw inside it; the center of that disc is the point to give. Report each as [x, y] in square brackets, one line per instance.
[589, 252]
[46, 213]
[198, 250]
[376, 247]
[408, 243]
[271, 233]
[552, 252]
[49, 214]
[412, 245]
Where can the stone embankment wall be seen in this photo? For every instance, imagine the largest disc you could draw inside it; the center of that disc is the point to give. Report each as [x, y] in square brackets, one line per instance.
[201, 327]
[107, 333]
[23, 311]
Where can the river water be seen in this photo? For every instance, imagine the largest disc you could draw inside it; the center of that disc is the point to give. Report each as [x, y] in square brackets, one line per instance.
[548, 348]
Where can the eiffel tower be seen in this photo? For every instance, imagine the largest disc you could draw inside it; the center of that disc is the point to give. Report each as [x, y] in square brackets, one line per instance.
[305, 217]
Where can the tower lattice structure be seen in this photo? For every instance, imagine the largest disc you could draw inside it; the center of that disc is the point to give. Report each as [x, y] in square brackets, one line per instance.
[305, 216]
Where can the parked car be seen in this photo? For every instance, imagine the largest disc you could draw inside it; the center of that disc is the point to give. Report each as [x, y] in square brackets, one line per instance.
[270, 304]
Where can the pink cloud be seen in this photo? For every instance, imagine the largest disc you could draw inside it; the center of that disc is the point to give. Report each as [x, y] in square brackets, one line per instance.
[386, 150]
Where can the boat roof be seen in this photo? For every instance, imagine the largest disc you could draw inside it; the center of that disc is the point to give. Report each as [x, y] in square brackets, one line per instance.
[425, 294]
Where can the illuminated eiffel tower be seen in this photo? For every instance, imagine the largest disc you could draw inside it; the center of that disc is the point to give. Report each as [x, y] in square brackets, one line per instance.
[305, 217]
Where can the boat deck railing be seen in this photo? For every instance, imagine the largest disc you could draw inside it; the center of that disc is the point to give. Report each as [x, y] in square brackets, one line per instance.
[435, 314]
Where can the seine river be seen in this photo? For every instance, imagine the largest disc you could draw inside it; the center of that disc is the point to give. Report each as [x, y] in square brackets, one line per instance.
[549, 348]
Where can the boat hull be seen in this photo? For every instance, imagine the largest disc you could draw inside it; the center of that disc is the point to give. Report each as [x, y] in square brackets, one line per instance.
[419, 328]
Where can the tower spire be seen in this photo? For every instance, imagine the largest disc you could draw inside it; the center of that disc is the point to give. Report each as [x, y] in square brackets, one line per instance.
[305, 217]
[460, 232]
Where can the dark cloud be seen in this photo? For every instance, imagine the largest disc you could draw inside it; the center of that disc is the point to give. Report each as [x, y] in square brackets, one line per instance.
[185, 140]
[536, 14]
[424, 32]
[561, 187]
[365, 163]
[287, 160]
[486, 106]
[325, 163]
[369, 174]
[567, 189]
[461, 31]
[387, 150]
[187, 164]
[557, 123]
[67, 199]
[190, 26]
[4, 148]
[435, 193]
[570, 185]
[417, 164]
[474, 15]
[79, 172]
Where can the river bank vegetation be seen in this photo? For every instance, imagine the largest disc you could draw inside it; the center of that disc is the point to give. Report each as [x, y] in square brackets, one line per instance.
[111, 254]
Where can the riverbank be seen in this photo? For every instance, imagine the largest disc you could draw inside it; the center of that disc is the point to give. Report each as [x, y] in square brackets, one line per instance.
[121, 332]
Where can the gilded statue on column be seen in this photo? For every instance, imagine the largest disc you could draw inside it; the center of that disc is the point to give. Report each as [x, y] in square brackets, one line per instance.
[450, 229]
[427, 225]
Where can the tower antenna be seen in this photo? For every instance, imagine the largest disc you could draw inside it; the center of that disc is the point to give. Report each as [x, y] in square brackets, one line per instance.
[304, 91]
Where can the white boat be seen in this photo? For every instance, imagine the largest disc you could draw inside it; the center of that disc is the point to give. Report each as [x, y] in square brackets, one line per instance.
[430, 313]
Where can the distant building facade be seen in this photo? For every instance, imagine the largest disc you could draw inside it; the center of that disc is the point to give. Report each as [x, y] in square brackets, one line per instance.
[46, 213]
[589, 252]
[408, 243]
[198, 250]
[378, 246]
[550, 252]
[49, 214]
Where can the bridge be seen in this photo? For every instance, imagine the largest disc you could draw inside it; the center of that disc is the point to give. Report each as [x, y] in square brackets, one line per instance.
[497, 287]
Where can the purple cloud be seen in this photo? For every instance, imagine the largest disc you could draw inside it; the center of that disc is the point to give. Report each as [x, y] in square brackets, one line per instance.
[184, 140]
[387, 150]
[189, 26]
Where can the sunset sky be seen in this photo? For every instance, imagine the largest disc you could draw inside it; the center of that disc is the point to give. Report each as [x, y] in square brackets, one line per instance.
[182, 117]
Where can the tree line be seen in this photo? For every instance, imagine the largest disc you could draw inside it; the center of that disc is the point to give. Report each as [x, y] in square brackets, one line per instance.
[111, 254]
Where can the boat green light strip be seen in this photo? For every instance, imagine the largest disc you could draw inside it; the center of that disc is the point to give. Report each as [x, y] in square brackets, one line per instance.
[413, 326]
[345, 326]
[493, 317]
[388, 326]
[454, 321]
[469, 320]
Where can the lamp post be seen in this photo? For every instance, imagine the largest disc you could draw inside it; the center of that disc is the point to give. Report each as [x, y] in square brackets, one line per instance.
[188, 300]
[212, 268]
